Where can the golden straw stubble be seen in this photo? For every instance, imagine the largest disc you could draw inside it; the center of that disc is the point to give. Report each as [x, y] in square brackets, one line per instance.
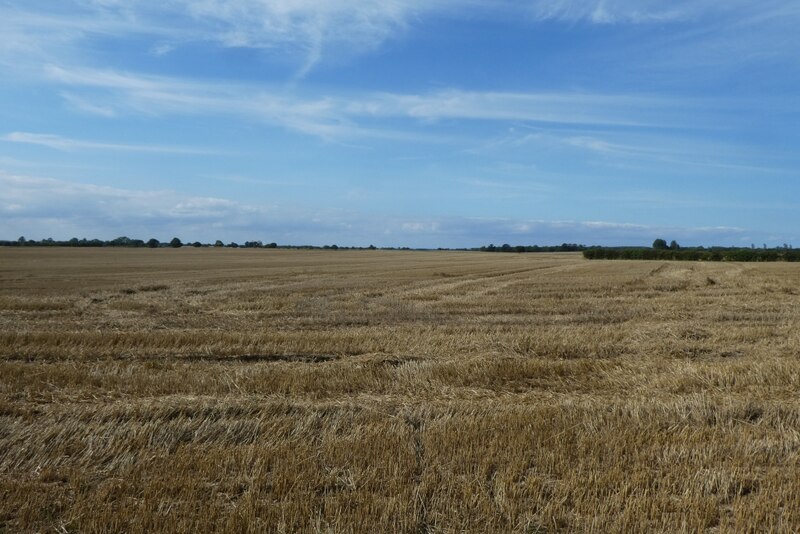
[363, 391]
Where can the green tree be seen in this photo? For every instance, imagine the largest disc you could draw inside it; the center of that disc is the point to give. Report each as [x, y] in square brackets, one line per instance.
[153, 243]
[122, 241]
[674, 245]
[175, 243]
[660, 244]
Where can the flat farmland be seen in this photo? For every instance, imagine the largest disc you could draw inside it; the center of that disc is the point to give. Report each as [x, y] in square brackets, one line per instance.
[240, 390]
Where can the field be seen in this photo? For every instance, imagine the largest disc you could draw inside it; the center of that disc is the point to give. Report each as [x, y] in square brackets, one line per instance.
[374, 391]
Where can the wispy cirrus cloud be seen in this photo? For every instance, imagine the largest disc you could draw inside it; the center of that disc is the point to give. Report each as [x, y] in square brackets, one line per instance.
[65, 143]
[306, 30]
[307, 27]
[310, 32]
[564, 107]
[611, 11]
[83, 105]
[333, 115]
[741, 12]
[662, 149]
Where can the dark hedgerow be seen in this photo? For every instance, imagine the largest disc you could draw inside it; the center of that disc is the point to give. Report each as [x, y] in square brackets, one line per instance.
[692, 254]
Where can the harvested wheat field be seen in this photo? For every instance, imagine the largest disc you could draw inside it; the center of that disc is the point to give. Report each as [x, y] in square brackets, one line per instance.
[375, 391]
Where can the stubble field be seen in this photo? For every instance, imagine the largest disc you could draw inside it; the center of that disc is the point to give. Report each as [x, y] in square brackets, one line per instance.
[374, 391]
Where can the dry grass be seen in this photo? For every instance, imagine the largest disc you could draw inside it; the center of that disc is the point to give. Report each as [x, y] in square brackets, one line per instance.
[262, 390]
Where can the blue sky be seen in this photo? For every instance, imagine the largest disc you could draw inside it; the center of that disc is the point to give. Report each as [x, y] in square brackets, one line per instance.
[401, 122]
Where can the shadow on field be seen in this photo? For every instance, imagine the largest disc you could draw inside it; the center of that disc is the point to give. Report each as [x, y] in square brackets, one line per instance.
[256, 358]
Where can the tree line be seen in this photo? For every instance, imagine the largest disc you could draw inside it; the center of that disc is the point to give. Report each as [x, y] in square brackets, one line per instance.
[128, 242]
[564, 247]
[175, 242]
[661, 251]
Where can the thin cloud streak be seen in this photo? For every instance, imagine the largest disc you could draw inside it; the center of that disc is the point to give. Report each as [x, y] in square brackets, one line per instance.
[331, 116]
[610, 11]
[559, 108]
[662, 149]
[64, 143]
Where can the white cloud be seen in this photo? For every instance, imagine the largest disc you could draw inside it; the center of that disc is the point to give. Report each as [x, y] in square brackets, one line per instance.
[307, 30]
[64, 143]
[336, 116]
[617, 11]
[81, 104]
[420, 227]
[42, 207]
[741, 12]
[162, 49]
[311, 31]
[653, 148]
[566, 107]
[307, 26]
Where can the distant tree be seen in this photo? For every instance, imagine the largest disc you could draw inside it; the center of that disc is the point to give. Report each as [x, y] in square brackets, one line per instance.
[674, 245]
[122, 241]
[175, 243]
[371, 247]
[660, 244]
[219, 243]
[233, 244]
[271, 245]
[197, 244]
[21, 240]
[153, 243]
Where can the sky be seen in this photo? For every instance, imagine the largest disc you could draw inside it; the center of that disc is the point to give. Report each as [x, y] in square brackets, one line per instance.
[420, 123]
